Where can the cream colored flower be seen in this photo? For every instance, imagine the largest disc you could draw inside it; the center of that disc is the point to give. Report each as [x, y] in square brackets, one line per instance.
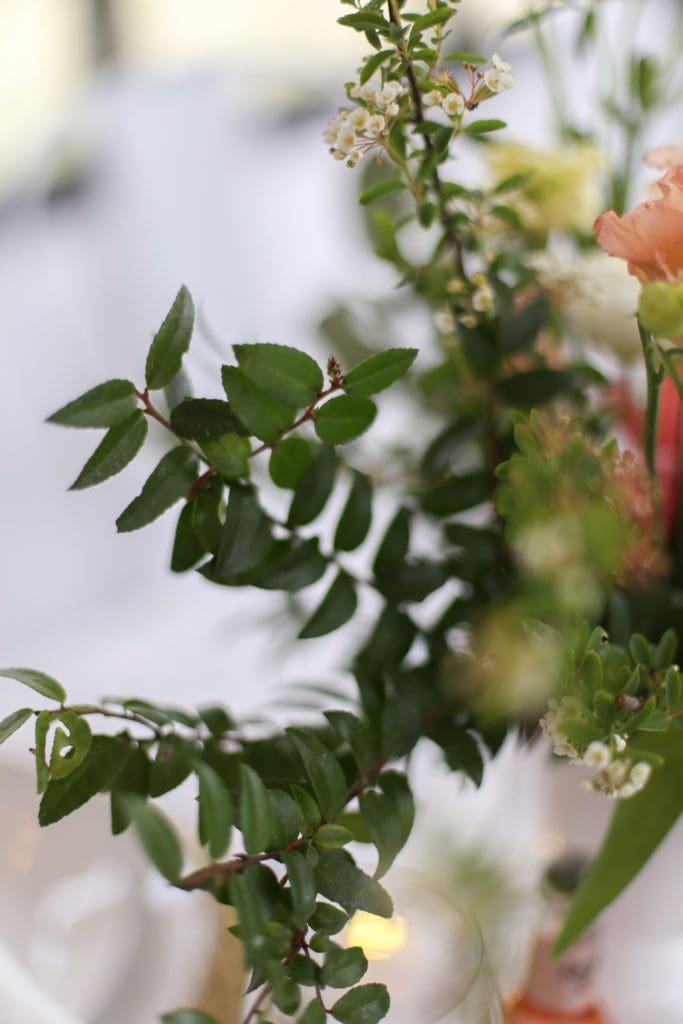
[453, 104]
[598, 755]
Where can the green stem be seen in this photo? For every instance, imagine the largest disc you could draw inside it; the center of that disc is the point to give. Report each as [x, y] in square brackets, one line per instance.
[654, 376]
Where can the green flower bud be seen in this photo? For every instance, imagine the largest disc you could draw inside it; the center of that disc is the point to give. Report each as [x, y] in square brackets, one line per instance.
[660, 309]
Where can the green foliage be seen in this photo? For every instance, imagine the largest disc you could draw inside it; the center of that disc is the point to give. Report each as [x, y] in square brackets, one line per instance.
[119, 446]
[344, 419]
[170, 481]
[365, 1004]
[43, 684]
[102, 406]
[336, 608]
[170, 343]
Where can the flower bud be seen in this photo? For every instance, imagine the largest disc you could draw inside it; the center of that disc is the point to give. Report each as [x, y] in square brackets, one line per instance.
[660, 309]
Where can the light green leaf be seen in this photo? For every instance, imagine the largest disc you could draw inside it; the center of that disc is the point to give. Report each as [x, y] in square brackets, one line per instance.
[281, 372]
[188, 1017]
[465, 57]
[215, 811]
[168, 483]
[118, 447]
[379, 371]
[382, 188]
[354, 522]
[366, 1004]
[336, 608]
[313, 489]
[331, 837]
[638, 826]
[261, 414]
[205, 419]
[171, 342]
[491, 124]
[289, 461]
[38, 681]
[69, 748]
[96, 772]
[14, 721]
[158, 838]
[102, 406]
[43, 722]
[345, 418]
[435, 17]
[324, 771]
[230, 455]
[302, 886]
[255, 812]
[341, 880]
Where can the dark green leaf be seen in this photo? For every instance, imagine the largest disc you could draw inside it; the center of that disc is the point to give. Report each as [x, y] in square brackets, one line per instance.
[324, 771]
[188, 1017]
[313, 1014]
[344, 418]
[118, 447]
[38, 681]
[366, 1004]
[187, 546]
[171, 765]
[341, 880]
[336, 608]
[216, 719]
[95, 773]
[371, 65]
[229, 455]
[302, 886]
[256, 815]
[289, 461]
[205, 419]
[308, 808]
[328, 919]
[356, 734]
[354, 522]
[534, 387]
[246, 539]
[412, 580]
[263, 415]
[292, 565]
[395, 543]
[519, 332]
[281, 372]
[457, 494]
[158, 838]
[168, 483]
[637, 828]
[343, 967]
[14, 721]
[171, 342]
[215, 811]
[379, 371]
[102, 406]
[43, 722]
[363, 20]
[391, 638]
[389, 818]
[460, 748]
[382, 188]
[286, 818]
[313, 489]
[133, 778]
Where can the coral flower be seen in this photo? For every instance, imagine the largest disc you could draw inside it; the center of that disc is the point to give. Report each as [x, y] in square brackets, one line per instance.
[650, 238]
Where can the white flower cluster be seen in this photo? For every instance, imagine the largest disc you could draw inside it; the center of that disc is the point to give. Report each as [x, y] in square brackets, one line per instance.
[615, 776]
[499, 76]
[354, 131]
[452, 103]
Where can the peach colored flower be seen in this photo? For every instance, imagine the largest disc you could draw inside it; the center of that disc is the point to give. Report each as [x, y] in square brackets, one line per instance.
[664, 158]
[650, 238]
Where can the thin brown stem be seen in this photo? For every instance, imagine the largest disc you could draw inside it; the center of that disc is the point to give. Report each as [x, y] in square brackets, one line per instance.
[257, 1004]
[124, 715]
[224, 869]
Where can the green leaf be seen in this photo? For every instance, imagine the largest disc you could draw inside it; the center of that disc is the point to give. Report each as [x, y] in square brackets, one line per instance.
[457, 494]
[336, 608]
[638, 826]
[281, 372]
[313, 489]
[324, 771]
[102, 406]
[491, 124]
[205, 419]
[391, 638]
[379, 371]
[292, 565]
[382, 188]
[345, 418]
[389, 818]
[331, 837]
[436, 17]
[461, 750]
[69, 748]
[395, 543]
[313, 1014]
[286, 817]
[215, 811]
[261, 414]
[172, 764]
[343, 967]
[96, 772]
[665, 651]
[168, 483]
[356, 518]
[328, 919]
[365, 1004]
[289, 461]
[188, 1017]
[119, 446]
[372, 63]
[158, 838]
[341, 880]
[229, 455]
[171, 342]
[640, 649]
[465, 57]
[38, 681]
[133, 778]
[255, 812]
[519, 332]
[308, 808]
[534, 387]
[188, 546]
[355, 733]
[302, 886]
[216, 719]
[246, 538]
[363, 20]
[43, 722]
[14, 721]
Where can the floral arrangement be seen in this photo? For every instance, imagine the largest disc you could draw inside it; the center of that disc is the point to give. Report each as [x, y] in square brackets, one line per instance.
[530, 574]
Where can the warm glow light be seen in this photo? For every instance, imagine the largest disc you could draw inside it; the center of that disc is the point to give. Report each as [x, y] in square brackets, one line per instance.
[378, 937]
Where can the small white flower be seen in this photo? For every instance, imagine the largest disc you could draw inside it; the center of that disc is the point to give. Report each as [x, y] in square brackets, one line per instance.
[432, 99]
[619, 743]
[617, 772]
[598, 755]
[332, 130]
[482, 299]
[375, 124]
[627, 790]
[499, 77]
[587, 785]
[444, 322]
[368, 90]
[389, 94]
[453, 104]
[392, 110]
[640, 773]
[357, 119]
[346, 140]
